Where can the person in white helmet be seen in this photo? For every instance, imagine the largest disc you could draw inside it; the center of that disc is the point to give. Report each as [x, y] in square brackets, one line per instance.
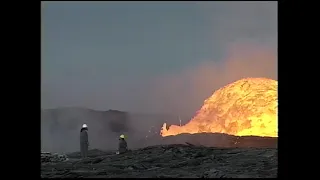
[122, 145]
[84, 141]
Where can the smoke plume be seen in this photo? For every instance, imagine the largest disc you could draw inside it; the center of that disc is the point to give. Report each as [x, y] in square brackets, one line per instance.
[185, 91]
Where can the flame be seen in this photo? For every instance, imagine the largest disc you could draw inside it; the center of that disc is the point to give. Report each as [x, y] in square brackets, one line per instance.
[246, 107]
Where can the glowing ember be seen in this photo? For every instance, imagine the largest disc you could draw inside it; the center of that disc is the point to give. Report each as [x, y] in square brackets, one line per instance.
[246, 107]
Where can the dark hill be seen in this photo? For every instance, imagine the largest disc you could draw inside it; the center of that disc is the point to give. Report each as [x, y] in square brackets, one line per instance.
[60, 127]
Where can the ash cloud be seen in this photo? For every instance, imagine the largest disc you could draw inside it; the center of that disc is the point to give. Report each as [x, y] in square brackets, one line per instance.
[184, 92]
[245, 34]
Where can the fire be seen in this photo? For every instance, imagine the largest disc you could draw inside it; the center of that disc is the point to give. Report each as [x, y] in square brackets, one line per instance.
[243, 108]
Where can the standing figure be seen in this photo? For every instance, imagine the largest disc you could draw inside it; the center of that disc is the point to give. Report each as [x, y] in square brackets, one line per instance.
[84, 141]
[122, 145]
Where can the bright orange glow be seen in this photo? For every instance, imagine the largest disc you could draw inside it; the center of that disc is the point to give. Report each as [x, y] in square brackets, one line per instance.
[243, 108]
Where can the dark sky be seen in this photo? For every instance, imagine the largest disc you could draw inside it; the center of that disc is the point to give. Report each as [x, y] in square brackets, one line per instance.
[153, 57]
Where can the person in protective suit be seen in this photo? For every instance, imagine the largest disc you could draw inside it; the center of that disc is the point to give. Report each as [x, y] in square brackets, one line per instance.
[122, 145]
[84, 141]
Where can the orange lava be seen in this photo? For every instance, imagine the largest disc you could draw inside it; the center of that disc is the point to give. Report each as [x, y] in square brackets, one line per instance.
[243, 108]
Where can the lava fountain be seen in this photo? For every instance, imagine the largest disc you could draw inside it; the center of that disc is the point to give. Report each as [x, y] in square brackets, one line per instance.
[247, 107]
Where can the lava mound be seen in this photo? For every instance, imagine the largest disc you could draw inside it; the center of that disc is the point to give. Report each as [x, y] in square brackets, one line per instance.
[247, 107]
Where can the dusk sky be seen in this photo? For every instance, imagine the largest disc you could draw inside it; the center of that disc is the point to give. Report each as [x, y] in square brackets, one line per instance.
[152, 57]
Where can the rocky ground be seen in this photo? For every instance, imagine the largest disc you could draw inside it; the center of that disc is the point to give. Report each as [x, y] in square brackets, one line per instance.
[52, 157]
[162, 161]
[213, 140]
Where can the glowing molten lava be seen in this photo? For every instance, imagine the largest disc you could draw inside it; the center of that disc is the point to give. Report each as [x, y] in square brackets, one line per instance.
[246, 107]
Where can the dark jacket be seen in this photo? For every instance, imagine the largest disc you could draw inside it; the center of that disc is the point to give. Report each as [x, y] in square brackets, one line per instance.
[84, 136]
[84, 142]
[122, 146]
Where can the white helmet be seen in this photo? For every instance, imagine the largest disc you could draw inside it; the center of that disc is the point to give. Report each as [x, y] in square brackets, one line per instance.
[84, 126]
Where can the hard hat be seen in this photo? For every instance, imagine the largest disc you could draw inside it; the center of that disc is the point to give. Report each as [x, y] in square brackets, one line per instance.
[122, 136]
[84, 126]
